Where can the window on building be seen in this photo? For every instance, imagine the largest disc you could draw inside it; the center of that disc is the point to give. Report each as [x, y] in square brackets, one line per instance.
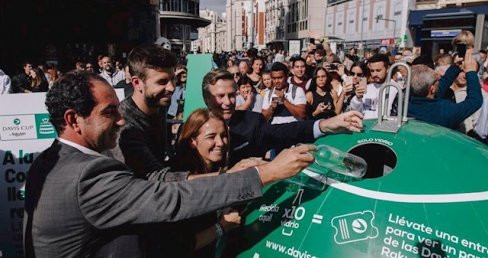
[184, 6]
[306, 9]
[380, 25]
[397, 13]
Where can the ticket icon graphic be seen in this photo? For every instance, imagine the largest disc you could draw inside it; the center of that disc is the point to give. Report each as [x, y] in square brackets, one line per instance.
[354, 227]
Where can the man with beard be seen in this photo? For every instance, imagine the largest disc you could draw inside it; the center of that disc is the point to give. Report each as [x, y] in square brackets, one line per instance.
[142, 140]
[368, 103]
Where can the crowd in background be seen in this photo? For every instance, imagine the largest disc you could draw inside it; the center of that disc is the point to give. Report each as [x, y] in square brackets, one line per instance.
[321, 84]
[313, 85]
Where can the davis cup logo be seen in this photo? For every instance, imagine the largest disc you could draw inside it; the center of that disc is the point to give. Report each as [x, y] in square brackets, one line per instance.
[46, 127]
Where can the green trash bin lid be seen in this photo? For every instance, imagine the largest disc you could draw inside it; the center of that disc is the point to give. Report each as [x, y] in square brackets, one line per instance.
[427, 196]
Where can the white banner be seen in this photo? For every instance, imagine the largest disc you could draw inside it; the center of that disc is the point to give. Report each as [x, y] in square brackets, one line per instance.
[25, 131]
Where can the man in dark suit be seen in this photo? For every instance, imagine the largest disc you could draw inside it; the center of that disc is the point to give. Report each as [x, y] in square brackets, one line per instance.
[78, 200]
[251, 135]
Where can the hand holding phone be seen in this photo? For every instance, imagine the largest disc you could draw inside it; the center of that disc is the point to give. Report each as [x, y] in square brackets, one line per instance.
[348, 88]
[470, 63]
[274, 102]
[461, 49]
[348, 80]
[361, 89]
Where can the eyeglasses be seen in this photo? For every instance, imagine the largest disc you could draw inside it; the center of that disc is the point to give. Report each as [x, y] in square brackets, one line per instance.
[357, 74]
[89, 67]
[236, 74]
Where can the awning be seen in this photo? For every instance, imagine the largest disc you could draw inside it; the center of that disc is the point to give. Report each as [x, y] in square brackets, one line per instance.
[415, 17]
[183, 18]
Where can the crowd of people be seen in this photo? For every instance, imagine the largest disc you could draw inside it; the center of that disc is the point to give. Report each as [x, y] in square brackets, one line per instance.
[449, 90]
[122, 192]
[41, 77]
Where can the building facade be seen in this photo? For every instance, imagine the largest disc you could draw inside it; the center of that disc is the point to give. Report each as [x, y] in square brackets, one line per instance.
[221, 36]
[305, 20]
[178, 20]
[369, 23]
[302, 20]
[276, 11]
[435, 23]
[436, 4]
[260, 24]
[212, 37]
[236, 24]
[246, 24]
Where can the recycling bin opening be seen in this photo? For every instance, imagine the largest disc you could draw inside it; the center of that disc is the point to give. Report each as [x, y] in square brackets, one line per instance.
[381, 159]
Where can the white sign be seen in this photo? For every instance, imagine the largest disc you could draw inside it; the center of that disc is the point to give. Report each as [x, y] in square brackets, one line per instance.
[19, 146]
[17, 127]
[333, 47]
[294, 47]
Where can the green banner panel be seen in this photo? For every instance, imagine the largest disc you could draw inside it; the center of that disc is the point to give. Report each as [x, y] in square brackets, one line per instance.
[198, 66]
[428, 198]
[44, 128]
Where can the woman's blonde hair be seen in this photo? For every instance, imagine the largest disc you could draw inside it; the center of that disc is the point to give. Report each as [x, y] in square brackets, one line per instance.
[464, 37]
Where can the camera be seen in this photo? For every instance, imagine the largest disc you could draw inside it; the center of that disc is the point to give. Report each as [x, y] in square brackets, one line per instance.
[333, 66]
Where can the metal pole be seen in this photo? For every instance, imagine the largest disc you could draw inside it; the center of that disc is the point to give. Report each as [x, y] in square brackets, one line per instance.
[252, 24]
[362, 22]
[394, 33]
[235, 27]
[389, 20]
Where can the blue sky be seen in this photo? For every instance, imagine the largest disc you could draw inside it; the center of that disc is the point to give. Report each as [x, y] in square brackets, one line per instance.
[216, 5]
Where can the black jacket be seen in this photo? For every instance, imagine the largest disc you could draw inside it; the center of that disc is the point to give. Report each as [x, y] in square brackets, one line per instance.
[20, 83]
[252, 136]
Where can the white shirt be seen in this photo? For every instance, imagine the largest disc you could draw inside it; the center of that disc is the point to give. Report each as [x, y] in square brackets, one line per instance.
[307, 85]
[468, 123]
[481, 126]
[279, 58]
[113, 79]
[368, 104]
[5, 83]
[79, 147]
[299, 99]
[256, 103]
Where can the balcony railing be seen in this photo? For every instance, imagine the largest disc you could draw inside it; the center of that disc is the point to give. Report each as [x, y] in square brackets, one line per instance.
[181, 6]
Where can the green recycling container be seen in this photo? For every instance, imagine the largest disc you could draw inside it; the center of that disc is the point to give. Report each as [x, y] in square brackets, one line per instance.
[425, 194]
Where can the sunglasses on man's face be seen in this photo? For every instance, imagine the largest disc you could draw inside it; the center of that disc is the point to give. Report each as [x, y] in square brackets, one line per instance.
[236, 74]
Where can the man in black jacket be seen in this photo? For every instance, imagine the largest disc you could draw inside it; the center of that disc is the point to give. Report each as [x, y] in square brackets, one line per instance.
[22, 81]
[251, 135]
